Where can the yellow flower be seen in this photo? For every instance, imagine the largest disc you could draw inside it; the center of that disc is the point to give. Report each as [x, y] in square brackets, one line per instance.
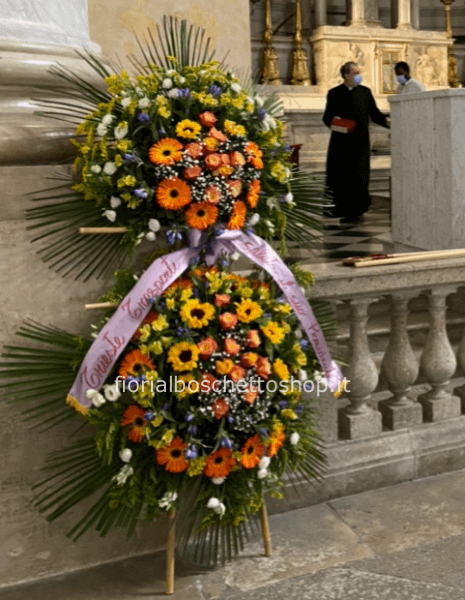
[248, 311]
[299, 357]
[183, 356]
[164, 113]
[123, 145]
[245, 291]
[273, 332]
[188, 129]
[144, 332]
[186, 294]
[280, 172]
[146, 391]
[129, 181]
[289, 414]
[166, 439]
[284, 309]
[170, 303]
[196, 466]
[134, 203]
[157, 421]
[166, 341]
[126, 197]
[160, 323]
[285, 327]
[186, 378]
[224, 367]
[196, 314]
[156, 347]
[233, 128]
[118, 160]
[281, 369]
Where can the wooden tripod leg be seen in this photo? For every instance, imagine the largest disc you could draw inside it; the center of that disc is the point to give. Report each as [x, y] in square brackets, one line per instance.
[265, 530]
[170, 544]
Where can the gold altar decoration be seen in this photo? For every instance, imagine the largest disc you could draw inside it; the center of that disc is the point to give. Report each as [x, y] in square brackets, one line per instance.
[270, 73]
[300, 74]
[451, 60]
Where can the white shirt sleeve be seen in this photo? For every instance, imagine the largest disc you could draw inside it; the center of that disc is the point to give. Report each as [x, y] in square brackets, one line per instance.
[413, 87]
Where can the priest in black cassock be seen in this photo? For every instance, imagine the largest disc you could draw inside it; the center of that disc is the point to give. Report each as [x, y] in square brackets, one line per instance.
[348, 159]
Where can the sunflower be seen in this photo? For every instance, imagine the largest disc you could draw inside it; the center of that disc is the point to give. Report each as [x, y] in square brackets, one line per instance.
[248, 310]
[220, 463]
[253, 193]
[196, 314]
[135, 363]
[172, 456]
[237, 218]
[134, 416]
[251, 452]
[183, 356]
[173, 194]
[273, 332]
[276, 441]
[201, 215]
[188, 129]
[166, 152]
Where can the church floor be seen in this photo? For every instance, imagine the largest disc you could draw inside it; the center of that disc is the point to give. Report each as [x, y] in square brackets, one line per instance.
[405, 542]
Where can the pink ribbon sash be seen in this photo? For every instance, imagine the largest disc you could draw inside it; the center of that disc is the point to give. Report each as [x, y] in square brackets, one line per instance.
[118, 331]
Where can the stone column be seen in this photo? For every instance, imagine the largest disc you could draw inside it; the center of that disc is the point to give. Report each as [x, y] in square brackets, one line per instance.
[394, 13]
[320, 13]
[399, 369]
[438, 362]
[359, 419]
[356, 16]
[403, 14]
[415, 8]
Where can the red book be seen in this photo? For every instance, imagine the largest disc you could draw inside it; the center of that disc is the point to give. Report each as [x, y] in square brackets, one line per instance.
[343, 125]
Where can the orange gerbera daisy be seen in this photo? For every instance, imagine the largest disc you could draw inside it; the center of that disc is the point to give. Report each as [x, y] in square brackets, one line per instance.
[165, 152]
[134, 415]
[135, 363]
[253, 193]
[252, 451]
[150, 318]
[253, 151]
[220, 463]
[173, 194]
[172, 456]
[238, 214]
[276, 441]
[201, 215]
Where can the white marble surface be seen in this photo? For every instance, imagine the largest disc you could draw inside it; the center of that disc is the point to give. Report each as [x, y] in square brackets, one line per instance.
[61, 22]
[428, 169]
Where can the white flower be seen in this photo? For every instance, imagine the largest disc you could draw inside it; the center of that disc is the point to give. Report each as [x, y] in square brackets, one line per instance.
[121, 130]
[123, 475]
[182, 79]
[298, 333]
[213, 503]
[96, 169]
[259, 101]
[254, 219]
[109, 168]
[125, 102]
[115, 202]
[294, 439]
[150, 236]
[303, 375]
[101, 129]
[98, 400]
[236, 87]
[318, 376]
[144, 102]
[271, 121]
[167, 500]
[266, 125]
[154, 225]
[289, 197]
[90, 393]
[126, 455]
[111, 392]
[262, 473]
[167, 84]
[235, 255]
[302, 289]
[107, 119]
[270, 202]
[110, 215]
[221, 509]
[171, 72]
[173, 93]
[217, 480]
[264, 462]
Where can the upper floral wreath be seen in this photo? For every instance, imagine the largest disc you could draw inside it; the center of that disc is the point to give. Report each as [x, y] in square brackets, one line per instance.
[179, 145]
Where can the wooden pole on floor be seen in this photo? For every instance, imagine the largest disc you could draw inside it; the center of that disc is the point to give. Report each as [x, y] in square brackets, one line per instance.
[171, 542]
[265, 529]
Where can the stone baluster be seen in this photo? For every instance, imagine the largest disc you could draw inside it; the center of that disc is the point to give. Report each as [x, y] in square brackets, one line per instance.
[415, 8]
[438, 362]
[359, 420]
[357, 13]
[320, 13]
[403, 14]
[460, 390]
[399, 369]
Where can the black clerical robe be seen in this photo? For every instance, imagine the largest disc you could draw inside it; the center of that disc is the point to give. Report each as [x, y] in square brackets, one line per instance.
[348, 159]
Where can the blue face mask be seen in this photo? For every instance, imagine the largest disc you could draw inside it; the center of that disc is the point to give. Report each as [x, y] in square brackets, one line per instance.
[402, 79]
[357, 79]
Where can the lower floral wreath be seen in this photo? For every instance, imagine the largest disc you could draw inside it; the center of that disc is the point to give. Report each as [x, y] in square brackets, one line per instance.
[203, 411]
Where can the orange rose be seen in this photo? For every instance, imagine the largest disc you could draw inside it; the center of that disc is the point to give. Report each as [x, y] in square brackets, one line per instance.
[207, 119]
[194, 150]
[231, 347]
[222, 300]
[252, 339]
[237, 159]
[248, 359]
[263, 367]
[235, 187]
[225, 170]
[211, 144]
[212, 194]
[257, 163]
[213, 161]
[192, 172]
[224, 367]
[227, 321]
[237, 373]
[220, 408]
[225, 159]
[206, 385]
[218, 135]
[207, 347]
[250, 395]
